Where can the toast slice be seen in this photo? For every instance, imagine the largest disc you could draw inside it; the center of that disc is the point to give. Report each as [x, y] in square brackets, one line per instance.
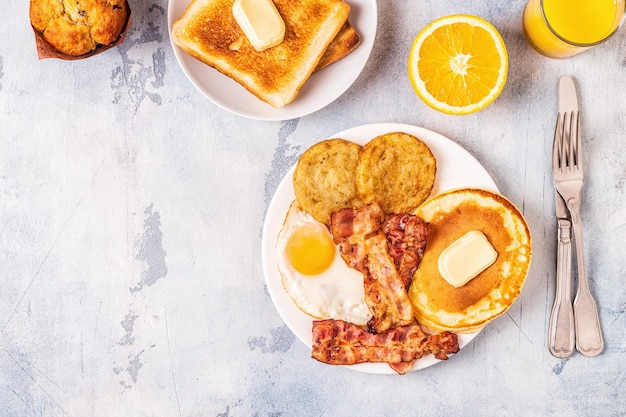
[346, 41]
[208, 31]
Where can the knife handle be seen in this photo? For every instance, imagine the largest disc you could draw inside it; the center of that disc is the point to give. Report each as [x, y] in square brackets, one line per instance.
[561, 334]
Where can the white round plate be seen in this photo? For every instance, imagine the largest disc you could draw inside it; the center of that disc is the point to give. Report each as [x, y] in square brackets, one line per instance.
[456, 168]
[321, 89]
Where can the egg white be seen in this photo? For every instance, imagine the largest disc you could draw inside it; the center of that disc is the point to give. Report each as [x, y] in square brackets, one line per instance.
[337, 293]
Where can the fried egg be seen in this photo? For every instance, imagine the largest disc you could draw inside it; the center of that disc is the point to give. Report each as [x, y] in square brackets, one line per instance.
[313, 273]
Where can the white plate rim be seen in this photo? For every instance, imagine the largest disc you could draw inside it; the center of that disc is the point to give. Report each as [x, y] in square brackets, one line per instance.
[320, 90]
[452, 161]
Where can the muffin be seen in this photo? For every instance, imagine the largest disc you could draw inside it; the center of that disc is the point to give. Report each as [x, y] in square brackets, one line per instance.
[77, 27]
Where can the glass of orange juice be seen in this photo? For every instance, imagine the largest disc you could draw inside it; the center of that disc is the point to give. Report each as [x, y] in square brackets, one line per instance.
[564, 28]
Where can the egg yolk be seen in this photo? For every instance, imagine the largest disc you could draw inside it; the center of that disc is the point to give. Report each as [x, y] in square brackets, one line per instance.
[310, 250]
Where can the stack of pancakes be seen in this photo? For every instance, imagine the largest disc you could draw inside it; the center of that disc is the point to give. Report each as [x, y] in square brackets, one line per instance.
[466, 309]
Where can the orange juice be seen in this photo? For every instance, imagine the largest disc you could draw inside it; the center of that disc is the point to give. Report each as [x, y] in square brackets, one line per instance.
[563, 28]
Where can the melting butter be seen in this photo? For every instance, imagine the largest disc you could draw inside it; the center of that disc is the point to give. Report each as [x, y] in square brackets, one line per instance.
[260, 22]
[466, 257]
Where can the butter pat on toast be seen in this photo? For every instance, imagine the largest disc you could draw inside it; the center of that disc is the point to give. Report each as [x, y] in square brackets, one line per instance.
[207, 30]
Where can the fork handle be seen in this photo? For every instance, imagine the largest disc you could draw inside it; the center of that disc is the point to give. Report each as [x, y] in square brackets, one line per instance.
[561, 333]
[589, 339]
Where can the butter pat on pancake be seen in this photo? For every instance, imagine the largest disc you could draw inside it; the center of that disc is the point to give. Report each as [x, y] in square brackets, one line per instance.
[323, 180]
[396, 170]
[466, 257]
[439, 305]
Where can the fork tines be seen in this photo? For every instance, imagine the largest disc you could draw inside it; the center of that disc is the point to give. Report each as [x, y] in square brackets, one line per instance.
[567, 141]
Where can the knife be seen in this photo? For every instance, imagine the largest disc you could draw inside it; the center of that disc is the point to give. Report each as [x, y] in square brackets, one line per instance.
[561, 334]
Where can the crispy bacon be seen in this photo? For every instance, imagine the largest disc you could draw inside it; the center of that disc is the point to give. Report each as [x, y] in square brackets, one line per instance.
[385, 294]
[387, 251]
[338, 342]
[363, 245]
[402, 367]
[350, 228]
[406, 238]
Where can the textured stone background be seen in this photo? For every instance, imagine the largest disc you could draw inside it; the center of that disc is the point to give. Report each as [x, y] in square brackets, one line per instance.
[131, 213]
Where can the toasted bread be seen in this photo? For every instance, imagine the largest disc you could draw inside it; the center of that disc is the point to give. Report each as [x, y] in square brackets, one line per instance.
[346, 41]
[208, 31]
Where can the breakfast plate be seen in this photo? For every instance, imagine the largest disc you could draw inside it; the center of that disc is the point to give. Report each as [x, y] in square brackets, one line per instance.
[321, 89]
[456, 168]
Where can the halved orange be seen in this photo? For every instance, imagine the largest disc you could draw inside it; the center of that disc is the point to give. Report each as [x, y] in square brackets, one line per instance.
[458, 64]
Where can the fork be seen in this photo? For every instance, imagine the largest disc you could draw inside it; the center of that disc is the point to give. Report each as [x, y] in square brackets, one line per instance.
[568, 177]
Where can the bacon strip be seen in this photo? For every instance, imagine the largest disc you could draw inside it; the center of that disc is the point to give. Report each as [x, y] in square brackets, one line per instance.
[387, 251]
[406, 238]
[350, 228]
[385, 294]
[338, 342]
[402, 367]
[363, 245]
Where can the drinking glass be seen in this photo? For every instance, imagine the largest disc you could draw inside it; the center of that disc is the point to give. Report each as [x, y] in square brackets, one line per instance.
[564, 28]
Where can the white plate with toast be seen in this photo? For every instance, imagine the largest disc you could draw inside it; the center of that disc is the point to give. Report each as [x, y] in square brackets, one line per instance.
[456, 168]
[322, 88]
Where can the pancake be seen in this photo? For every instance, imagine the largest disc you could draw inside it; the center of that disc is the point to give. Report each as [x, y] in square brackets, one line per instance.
[466, 309]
